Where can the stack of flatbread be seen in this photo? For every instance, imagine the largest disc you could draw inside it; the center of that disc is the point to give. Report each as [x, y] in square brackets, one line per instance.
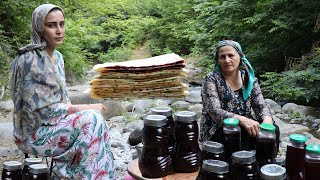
[155, 77]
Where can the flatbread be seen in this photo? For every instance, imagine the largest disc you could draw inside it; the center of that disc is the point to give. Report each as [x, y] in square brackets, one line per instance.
[138, 89]
[117, 82]
[183, 73]
[167, 94]
[157, 62]
[156, 77]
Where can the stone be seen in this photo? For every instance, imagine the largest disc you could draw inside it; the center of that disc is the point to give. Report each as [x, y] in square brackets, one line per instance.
[143, 103]
[287, 129]
[135, 137]
[117, 119]
[197, 108]
[281, 116]
[6, 105]
[298, 110]
[138, 124]
[195, 73]
[6, 131]
[273, 105]
[194, 97]
[181, 105]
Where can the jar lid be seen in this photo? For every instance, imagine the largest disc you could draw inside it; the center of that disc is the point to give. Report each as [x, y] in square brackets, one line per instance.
[243, 157]
[30, 161]
[231, 121]
[298, 138]
[39, 168]
[273, 172]
[155, 120]
[12, 165]
[313, 148]
[268, 127]
[185, 116]
[165, 111]
[280, 160]
[213, 147]
[215, 166]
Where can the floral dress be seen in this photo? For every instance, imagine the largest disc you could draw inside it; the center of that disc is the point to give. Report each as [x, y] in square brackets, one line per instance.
[220, 102]
[78, 143]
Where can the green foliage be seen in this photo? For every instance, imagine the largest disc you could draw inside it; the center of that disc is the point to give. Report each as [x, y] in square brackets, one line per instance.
[268, 31]
[301, 86]
[172, 31]
[295, 114]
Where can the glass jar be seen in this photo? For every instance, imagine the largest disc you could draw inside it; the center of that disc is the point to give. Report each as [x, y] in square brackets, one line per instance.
[27, 163]
[295, 156]
[244, 166]
[312, 162]
[186, 157]
[211, 150]
[266, 145]
[213, 170]
[272, 172]
[281, 161]
[167, 111]
[155, 161]
[232, 137]
[12, 170]
[39, 172]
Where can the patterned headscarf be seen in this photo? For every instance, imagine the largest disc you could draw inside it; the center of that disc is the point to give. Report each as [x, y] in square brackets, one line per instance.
[249, 73]
[38, 18]
[36, 89]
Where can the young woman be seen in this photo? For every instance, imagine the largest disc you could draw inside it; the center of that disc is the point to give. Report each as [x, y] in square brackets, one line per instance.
[45, 121]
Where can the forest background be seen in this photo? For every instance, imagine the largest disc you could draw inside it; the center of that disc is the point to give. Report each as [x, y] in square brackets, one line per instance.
[281, 38]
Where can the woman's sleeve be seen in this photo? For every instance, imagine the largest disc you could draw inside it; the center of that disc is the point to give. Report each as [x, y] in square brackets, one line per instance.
[259, 106]
[62, 73]
[211, 101]
[43, 92]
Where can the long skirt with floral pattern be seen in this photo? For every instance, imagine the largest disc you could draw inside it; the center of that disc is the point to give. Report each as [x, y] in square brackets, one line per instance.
[79, 144]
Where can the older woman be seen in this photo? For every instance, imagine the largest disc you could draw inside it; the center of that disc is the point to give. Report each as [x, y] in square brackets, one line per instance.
[45, 121]
[231, 91]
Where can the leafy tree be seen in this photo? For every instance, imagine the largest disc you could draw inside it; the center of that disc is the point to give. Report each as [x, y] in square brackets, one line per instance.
[269, 30]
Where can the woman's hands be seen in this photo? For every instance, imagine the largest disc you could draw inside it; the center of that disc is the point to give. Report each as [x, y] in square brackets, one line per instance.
[251, 126]
[81, 107]
[100, 107]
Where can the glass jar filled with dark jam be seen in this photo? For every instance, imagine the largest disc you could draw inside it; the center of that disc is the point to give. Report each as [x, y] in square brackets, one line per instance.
[155, 161]
[244, 166]
[167, 111]
[39, 172]
[211, 150]
[27, 163]
[312, 162]
[266, 145]
[272, 172]
[186, 157]
[295, 156]
[213, 170]
[12, 170]
[232, 137]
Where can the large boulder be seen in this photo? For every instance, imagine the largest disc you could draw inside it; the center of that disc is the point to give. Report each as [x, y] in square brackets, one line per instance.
[195, 73]
[274, 107]
[299, 110]
[6, 105]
